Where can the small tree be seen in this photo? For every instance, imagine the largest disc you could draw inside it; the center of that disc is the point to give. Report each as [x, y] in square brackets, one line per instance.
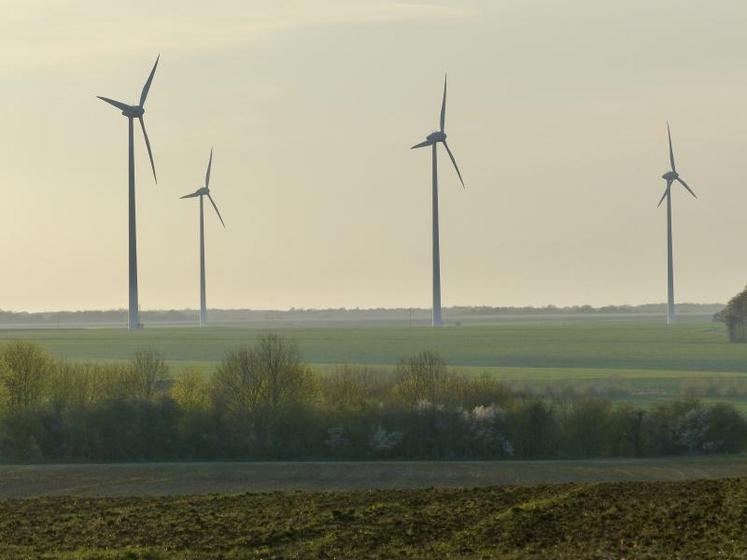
[734, 316]
[26, 370]
[149, 375]
[422, 377]
[261, 388]
[191, 391]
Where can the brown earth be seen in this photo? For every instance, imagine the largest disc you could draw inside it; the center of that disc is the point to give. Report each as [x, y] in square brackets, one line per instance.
[690, 519]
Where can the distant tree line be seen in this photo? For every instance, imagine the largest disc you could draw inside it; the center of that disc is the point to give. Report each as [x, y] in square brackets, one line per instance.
[263, 402]
[311, 316]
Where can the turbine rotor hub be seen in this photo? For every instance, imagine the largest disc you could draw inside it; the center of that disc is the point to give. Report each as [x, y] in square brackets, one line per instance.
[437, 136]
[670, 175]
[134, 112]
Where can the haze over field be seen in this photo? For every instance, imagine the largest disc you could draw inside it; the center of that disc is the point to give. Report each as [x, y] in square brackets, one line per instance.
[557, 115]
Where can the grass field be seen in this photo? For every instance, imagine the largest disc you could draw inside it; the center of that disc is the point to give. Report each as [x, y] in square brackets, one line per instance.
[687, 347]
[693, 519]
[646, 360]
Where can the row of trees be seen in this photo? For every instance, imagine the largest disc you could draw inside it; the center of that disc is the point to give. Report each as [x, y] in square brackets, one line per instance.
[263, 402]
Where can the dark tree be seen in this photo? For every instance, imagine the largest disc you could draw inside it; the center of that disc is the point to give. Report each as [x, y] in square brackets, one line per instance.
[734, 316]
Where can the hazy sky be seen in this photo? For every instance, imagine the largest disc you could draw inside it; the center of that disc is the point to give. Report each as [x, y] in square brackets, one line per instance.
[557, 116]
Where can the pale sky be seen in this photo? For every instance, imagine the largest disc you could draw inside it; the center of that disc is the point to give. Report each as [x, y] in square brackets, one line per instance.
[556, 114]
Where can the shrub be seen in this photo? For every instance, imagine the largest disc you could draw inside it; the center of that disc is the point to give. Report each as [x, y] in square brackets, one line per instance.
[264, 402]
[24, 375]
[422, 376]
[148, 375]
[263, 391]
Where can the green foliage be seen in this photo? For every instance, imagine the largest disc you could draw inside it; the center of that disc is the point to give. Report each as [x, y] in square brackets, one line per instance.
[191, 391]
[27, 368]
[263, 391]
[148, 375]
[264, 402]
[587, 426]
[422, 377]
[4, 391]
[351, 389]
[533, 429]
[734, 316]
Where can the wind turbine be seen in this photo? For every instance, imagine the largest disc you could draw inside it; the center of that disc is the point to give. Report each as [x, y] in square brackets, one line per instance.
[433, 139]
[134, 112]
[670, 177]
[201, 193]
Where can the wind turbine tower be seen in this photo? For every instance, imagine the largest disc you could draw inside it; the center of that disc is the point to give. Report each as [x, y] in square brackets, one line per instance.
[134, 112]
[202, 193]
[433, 139]
[671, 177]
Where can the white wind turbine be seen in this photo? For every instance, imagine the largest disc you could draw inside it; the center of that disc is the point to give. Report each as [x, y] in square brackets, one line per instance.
[134, 112]
[433, 139]
[670, 177]
[201, 193]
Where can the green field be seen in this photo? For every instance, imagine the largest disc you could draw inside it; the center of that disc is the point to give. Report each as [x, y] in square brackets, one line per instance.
[612, 346]
[642, 361]
[693, 519]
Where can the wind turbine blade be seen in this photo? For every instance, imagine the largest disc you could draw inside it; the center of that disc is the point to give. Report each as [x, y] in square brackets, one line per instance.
[118, 104]
[686, 186]
[443, 107]
[193, 195]
[147, 145]
[422, 144]
[666, 192]
[671, 152]
[454, 162]
[216, 210]
[210, 164]
[146, 87]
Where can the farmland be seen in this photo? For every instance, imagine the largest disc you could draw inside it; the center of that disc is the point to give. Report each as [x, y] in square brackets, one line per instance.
[596, 346]
[703, 519]
[677, 507]
[192, 478]
[639, 361]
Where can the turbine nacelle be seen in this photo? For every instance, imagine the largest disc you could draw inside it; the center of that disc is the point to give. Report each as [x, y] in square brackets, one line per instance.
[670, 176]
[438, 136]
[432, 138]
[202, 191]
[133, 112]
[129, 111]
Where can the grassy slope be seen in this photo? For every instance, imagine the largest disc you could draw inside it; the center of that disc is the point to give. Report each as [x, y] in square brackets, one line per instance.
[695, 519]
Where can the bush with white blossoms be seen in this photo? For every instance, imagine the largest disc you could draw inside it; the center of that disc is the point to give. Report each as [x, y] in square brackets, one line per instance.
[487, 413]
[487, 439]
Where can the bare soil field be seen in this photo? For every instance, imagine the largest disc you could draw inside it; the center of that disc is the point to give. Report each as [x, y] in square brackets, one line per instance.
[692, 519]
[173, 479]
